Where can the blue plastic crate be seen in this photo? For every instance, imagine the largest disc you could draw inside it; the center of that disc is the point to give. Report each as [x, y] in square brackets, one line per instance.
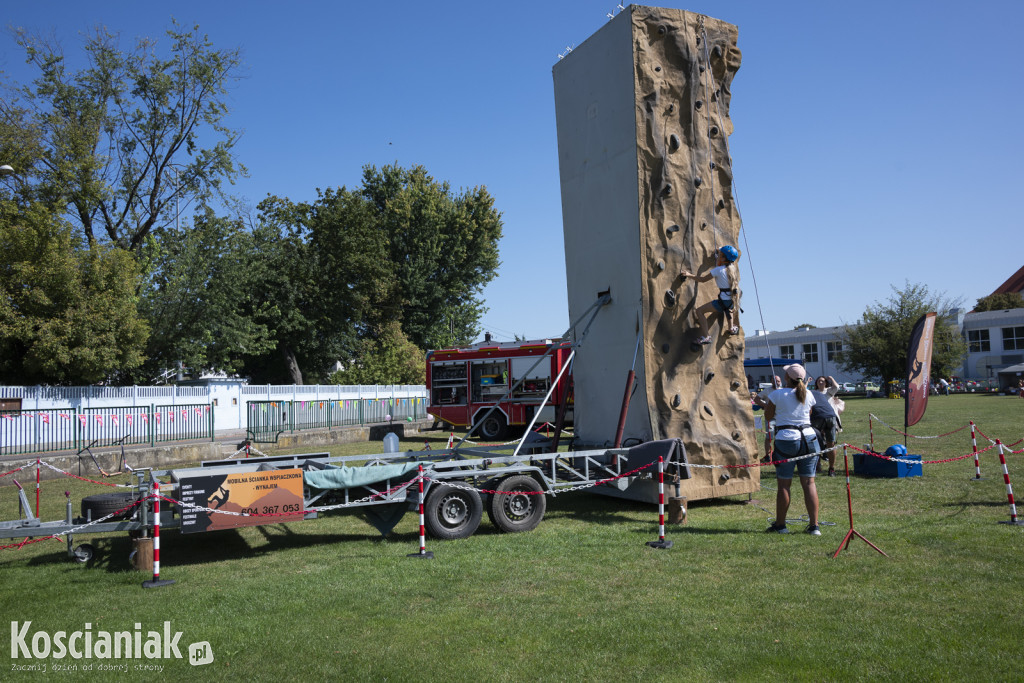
[872, 466]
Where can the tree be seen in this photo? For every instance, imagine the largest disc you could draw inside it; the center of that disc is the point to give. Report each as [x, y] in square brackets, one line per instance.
[326, 274]
[388, 357]
[999, 302]
[197, 294]
[443, 249]
[67, 315]
[805, 325]
[877, 345]
[120, 144]
[343, 269]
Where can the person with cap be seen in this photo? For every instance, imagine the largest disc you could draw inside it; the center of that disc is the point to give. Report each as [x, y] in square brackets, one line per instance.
[790, 407]
[726, 276]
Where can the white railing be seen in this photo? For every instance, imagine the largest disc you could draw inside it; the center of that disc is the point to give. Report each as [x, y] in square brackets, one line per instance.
[229, 400]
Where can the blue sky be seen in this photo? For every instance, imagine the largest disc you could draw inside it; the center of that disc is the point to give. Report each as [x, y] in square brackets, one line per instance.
[875, 143]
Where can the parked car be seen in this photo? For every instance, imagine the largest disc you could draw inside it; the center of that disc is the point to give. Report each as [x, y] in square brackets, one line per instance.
[847, 388]
[869, 388]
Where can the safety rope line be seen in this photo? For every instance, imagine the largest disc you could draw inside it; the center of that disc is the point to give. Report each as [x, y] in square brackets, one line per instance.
[992, 441]
[915, 436]
[27, 541]
[736, 198]
[541, 493]
[92, 481]
[909, 461]
[30, 463]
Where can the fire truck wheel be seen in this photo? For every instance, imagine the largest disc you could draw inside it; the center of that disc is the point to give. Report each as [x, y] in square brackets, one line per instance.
[514, 512]
[102, 504]
[451, 512]
[493, 426]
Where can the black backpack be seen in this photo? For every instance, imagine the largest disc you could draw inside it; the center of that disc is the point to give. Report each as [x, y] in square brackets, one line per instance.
[822, 408]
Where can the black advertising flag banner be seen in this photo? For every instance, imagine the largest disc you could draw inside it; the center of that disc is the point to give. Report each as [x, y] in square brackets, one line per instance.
[919, 368]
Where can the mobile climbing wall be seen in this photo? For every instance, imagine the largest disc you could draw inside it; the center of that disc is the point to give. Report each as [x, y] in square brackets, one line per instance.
[642, 111]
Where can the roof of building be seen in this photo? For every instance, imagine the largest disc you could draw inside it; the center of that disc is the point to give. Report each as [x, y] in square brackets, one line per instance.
[1015, 283]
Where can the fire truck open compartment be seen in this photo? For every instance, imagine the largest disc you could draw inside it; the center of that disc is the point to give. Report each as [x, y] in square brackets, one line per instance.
[464, 384]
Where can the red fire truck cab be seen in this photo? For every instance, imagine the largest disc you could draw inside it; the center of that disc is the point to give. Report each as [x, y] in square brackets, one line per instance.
[464, 383]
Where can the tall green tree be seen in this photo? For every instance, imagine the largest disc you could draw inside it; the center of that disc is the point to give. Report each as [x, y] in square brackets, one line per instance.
[198, 295]
[443, 247]
[67, 315]
[325, 277]
[123, 143]
[877, 345]
[386, 357]
[999, 302]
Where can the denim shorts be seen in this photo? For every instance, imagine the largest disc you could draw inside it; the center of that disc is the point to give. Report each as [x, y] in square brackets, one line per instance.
[789, 449]
[722, 305]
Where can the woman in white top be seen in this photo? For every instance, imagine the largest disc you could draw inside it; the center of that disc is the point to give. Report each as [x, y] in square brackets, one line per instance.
[790, 407]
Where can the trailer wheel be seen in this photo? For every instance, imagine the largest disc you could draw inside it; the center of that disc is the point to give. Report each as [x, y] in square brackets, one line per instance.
[102, 504]
[451, 512]
[515, 512]
[84, 553]
[493, 426]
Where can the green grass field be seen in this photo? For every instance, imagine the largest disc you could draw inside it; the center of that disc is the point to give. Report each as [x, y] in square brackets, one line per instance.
[582, 597]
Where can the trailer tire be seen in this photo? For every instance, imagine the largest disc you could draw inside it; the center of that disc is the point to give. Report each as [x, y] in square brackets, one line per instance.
[102, 504]
[516, 512]
[84, 553]
[451, 513]
[493, 427]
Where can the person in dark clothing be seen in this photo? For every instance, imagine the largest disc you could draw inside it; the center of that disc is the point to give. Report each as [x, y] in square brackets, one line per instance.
[825, 419]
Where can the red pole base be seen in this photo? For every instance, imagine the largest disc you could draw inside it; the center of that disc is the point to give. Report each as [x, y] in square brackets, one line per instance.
[849, 538]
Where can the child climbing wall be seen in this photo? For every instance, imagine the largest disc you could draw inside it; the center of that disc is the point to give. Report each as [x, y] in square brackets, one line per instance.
[642, 110]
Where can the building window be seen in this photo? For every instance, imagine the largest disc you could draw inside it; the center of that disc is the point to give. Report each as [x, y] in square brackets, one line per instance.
[833, 349]
[977, 341]
[1013, 338]
[810, 353]
[787, 352]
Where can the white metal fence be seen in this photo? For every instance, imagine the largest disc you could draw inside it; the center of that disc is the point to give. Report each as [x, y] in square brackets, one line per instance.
[228, 402]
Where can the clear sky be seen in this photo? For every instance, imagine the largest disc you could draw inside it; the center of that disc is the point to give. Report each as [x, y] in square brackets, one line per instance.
[875, 142]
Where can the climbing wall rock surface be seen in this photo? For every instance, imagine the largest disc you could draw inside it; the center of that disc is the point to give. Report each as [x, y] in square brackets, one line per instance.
[684, 67]
[645, 196]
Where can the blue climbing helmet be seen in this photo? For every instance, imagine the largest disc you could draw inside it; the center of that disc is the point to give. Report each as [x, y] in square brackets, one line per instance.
[730, 253]
[896, 451]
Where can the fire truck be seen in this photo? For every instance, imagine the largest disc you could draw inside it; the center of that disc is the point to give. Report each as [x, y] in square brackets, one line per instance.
[464, 383]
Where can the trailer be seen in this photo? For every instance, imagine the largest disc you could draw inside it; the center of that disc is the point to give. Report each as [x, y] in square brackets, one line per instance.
[458, 485]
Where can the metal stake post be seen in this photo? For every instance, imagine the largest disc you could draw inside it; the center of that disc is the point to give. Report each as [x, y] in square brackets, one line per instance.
[156, 582]
[661, 543]
[423, 553]
[1009, 489]
[849, 504]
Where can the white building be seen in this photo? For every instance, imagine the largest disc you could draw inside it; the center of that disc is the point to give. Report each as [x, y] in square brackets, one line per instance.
[995, 340]
[816, 347]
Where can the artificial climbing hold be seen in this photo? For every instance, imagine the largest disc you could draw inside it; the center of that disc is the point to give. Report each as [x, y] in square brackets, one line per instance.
[664, 348]
[673, 143]
[670, 298]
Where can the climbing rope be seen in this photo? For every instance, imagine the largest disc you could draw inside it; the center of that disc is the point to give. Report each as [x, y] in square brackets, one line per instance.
[735, 190]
